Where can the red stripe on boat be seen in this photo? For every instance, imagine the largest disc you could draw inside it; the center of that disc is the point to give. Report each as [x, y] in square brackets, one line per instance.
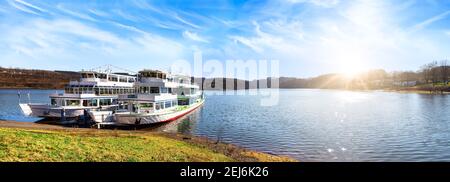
[181, 115]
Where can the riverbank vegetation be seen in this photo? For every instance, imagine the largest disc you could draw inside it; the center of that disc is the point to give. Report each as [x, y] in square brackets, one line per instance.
[85, 145]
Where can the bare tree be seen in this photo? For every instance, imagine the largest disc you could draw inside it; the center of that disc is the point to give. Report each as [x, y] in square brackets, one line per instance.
[425, 71]
[434, 72]
[444, 71]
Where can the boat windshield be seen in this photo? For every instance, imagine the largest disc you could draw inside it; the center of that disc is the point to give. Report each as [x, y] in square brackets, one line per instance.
[87, 75]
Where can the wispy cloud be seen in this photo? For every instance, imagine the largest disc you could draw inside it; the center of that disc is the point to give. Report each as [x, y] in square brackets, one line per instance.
[130, 28]
[126, 15]
[142, 4]
[176, 16]
[75, 14]
[169, 13]
[262, 40]
[430, 21]
[194, 36]
[323, 3]
[99, 13]
[26, 7]
[30, 5]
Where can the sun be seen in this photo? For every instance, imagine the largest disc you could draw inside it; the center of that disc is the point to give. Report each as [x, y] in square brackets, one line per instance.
[351, 72]
[350, 69]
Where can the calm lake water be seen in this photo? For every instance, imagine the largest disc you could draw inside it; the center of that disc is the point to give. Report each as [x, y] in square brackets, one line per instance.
[312, 125]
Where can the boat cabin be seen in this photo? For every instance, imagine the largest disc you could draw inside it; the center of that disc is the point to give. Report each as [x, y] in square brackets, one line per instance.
[157, 91]
[97, 83]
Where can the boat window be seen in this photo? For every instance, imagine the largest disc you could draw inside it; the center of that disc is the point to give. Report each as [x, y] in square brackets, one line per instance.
[123, 106]
[105, 102]
[146, 105]
[157, 106]
[123, 79]
[131, 80]
[73, 102]
[101, 75]
[183, 101]
[87, 75]
[162, 105]
[53, 102]
[174, 103]
[164, 90]
[114, 101]
[112, 78]
[88, 103]
[68, 90]
[154, 90]
[169, 90]
[144, 90]
[168, 104]
[153, 74]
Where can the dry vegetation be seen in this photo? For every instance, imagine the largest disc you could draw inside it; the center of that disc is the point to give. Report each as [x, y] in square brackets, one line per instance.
[39, 79]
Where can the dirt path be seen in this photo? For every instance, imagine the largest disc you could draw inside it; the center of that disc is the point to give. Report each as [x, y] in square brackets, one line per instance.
[29, 125]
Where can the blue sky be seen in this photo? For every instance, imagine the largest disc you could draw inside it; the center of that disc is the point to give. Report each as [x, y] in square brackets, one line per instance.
[308, 37]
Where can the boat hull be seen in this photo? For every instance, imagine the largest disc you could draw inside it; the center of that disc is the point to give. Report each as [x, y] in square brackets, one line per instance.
[101, 116]
[46, 111]
[52, 113]
[143, 119]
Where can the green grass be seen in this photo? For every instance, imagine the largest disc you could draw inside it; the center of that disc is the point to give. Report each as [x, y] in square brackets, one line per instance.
[94, 145]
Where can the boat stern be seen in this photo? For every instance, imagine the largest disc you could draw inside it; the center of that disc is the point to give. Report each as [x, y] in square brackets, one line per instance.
[26, 109]
[101, 116]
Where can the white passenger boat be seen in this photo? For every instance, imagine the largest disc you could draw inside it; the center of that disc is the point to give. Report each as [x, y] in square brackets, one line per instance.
[159, 97]
[97, 90]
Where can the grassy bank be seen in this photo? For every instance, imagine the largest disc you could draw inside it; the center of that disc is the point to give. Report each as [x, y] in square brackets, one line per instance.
[24, 144]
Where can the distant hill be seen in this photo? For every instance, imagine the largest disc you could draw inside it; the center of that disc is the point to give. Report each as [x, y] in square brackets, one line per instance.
[37, 79]
[374, 79]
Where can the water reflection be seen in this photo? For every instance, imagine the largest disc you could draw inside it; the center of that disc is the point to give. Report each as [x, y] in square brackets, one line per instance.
[9, 102]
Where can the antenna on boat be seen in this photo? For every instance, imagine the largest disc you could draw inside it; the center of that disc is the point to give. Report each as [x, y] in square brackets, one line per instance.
[18, 94]
[107, 68]
[29, 98]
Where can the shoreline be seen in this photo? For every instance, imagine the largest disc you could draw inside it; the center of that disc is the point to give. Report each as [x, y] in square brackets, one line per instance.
[230, 151]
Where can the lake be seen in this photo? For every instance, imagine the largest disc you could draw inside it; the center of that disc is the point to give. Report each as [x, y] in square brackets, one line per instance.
[310, 125]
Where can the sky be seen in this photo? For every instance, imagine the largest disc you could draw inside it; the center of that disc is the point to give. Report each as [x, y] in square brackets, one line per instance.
[307, 37]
